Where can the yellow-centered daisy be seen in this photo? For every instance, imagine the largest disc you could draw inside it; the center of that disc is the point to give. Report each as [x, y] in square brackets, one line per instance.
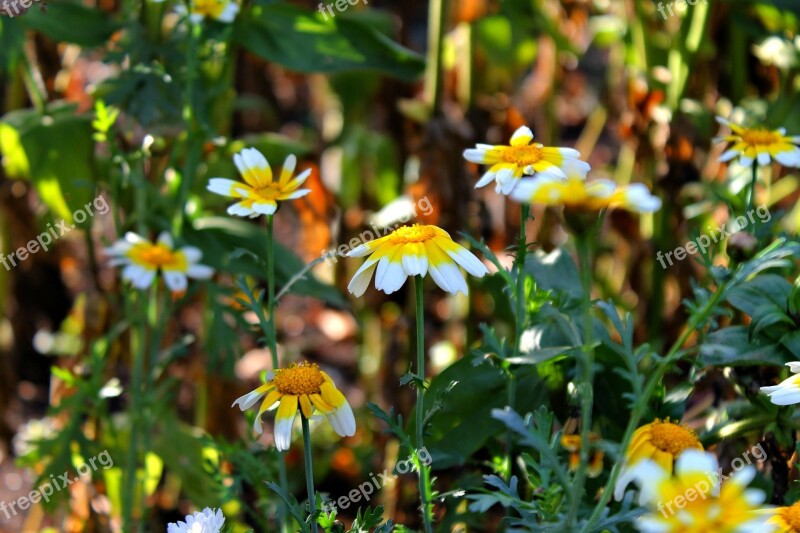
[509, 164]
[787, 392]
[785, 519]
[220, 10]
[759, 145]
[661, 441]
[143, 259]
[260, 194]
[594, 195]
[414, 251]
[301, 386]
[694, 500]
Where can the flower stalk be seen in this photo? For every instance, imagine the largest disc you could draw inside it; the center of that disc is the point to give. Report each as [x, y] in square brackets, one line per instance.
[519, 326]
[312, 499]
[271, 333]
[425, 491]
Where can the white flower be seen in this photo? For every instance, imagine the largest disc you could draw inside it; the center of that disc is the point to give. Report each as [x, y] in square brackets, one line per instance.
[787, 392]
[508, 165]
[260, 193]
[209, 521]
[142, 260]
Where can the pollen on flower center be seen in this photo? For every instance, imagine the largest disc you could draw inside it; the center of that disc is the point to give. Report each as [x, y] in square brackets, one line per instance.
[300, 378]
[760, 137]
[791, 515]
[209, 7]
[157, 256]
[412, 234]
[672, 438]
[523, 155]
[270, 191]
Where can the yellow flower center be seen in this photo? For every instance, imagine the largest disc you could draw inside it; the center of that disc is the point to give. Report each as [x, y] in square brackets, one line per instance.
[672, 438]
[791, 515]
[522, 155]
[298, 379]
[156, 256]
[412, 234]
[271, 191]
[760, 137]
[209, 8]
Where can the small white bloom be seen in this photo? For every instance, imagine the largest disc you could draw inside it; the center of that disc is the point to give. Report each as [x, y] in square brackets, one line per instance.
[208, 521]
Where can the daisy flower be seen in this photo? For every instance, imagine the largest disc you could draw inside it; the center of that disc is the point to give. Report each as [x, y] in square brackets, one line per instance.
[142, 260]
[662, 442]
[209, 521]
[260, 194]
[693, 500]
[785, 519]
[304, 386]
[787, 392]
[219, 10]
[590, 195]
[759, 145]
[414, 251]
[509, 164]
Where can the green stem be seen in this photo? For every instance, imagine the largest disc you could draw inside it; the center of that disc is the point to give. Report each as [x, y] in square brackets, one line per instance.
[424, 482]
[137, 349]
[751, 195]
[272, 339]
[586, 385]
[193, 141]
[519, 325]
[640, 408]
[312, 499]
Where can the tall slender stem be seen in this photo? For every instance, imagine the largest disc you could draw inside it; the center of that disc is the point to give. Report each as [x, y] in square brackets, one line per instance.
[137, 350]
[273, 348]
[519, 325]
[193, 139]
[312, 498]
[586, 385]
[424, 482]
[751, 196]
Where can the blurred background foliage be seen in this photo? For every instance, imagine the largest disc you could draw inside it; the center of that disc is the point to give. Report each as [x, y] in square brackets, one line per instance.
[379, 101]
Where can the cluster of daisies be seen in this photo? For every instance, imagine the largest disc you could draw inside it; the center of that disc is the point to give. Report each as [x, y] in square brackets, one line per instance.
[529, 173]
[683, 489]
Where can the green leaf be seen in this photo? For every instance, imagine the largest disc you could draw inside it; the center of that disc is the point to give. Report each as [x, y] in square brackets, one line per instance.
[72, 23]
[301, 40]
[55, 151]
[765, 289]
[733, 347]
[464, 424]
[555, 272]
